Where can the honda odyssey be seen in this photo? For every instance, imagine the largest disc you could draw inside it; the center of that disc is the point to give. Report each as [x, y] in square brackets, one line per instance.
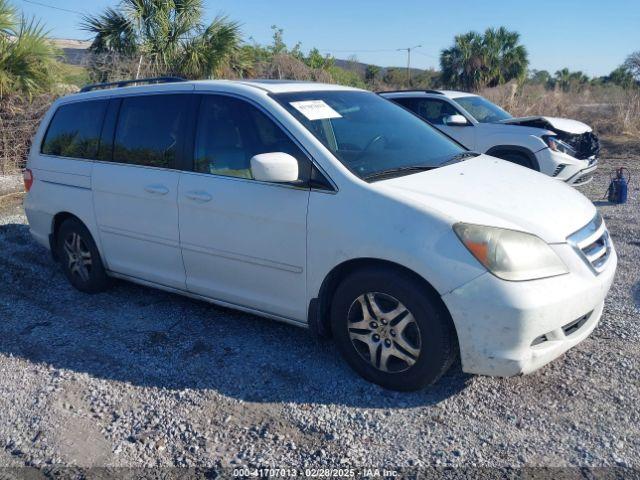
[326, 207]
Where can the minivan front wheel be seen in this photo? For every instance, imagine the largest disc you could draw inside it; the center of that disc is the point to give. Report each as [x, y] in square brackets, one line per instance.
[390, 330]
[79, 257]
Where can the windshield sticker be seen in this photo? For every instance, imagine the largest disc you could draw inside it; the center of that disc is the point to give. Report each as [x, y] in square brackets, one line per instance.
[315, 109]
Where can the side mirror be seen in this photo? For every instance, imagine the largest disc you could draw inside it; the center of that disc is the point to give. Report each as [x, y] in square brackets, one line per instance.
[456, 120]
[276, 167]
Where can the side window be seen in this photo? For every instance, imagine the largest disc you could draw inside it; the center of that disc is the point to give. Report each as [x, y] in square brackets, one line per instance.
[432, 110]
[150, 130]
[75, 129]
[231, 131]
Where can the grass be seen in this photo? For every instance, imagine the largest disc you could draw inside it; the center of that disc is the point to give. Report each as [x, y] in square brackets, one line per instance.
[74, 75]
[608, 109]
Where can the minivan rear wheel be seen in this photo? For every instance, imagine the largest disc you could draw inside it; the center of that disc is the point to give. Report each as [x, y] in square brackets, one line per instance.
[80, 258]
[390, 330]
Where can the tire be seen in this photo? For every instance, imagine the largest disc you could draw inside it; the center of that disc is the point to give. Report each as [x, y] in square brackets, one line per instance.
[79, 257]
[517, 158]
[414, 354]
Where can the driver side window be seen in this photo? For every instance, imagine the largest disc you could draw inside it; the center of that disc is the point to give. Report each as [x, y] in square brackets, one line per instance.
[231, 131]
[432, 110]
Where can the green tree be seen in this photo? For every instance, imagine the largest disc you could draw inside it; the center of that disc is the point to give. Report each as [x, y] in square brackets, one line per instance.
[632, 64]
[567, 80]
[539, 77]
[28, 62]
[315, 59]
[620, 76]
[371, 73]
[484, 60]
[168, 37]
[346, 77]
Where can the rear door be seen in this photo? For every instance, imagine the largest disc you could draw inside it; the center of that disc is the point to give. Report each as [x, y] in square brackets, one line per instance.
[135, 187]
[243, 241]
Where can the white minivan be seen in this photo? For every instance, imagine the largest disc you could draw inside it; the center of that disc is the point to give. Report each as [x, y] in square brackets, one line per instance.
[326, 207]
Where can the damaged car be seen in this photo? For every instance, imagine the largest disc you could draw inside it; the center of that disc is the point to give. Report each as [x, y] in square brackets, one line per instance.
[559, 147]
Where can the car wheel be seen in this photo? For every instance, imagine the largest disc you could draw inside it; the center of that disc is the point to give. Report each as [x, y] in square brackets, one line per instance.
[80, 258]
[517, 158]
[391, 331]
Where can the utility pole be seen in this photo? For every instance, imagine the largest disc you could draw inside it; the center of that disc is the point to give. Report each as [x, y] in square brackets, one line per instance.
[408, 50]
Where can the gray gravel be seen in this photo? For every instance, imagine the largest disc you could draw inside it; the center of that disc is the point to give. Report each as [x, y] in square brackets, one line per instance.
[10, 184]
[137, 377]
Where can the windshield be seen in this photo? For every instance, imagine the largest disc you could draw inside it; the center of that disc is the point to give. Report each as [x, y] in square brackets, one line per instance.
[482, 109]
[368, 134]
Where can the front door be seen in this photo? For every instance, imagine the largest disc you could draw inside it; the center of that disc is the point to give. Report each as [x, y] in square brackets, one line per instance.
[435, 111]
[243, 241]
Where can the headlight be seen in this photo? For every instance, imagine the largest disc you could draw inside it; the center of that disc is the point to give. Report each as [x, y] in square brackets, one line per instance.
[557, 145]
[510, 254]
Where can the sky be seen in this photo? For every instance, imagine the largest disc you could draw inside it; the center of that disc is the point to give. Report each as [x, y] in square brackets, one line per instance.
[594, 36]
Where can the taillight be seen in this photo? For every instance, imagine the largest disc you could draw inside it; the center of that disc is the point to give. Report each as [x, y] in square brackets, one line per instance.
[27, 176]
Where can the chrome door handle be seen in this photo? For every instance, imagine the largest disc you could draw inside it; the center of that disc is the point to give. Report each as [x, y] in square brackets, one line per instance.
[156, 189]
[198, 196]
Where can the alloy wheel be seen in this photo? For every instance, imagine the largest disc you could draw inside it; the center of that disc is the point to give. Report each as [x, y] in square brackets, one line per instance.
[78, 256]
[384, 332]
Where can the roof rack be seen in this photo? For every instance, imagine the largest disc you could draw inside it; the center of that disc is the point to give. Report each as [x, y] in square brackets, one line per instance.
[437, 92]
[124, 83]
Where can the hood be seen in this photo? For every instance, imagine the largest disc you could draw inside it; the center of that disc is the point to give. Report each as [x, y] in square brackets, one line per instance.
[488, 191]
[551, 123]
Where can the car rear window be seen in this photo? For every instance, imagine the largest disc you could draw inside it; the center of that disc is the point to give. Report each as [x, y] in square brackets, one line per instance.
[150, 130]
[75, 129]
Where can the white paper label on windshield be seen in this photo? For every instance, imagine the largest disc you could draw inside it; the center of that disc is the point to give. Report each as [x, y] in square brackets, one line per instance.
[315, 109]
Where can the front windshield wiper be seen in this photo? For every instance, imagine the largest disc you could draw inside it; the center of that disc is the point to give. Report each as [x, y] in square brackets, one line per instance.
[397, 172]
[459, 157]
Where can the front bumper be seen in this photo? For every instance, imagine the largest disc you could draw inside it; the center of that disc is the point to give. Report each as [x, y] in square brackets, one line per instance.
[510, 328]
[566, 168]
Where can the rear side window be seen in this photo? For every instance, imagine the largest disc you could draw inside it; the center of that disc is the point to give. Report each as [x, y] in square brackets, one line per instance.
[75, 129]
[150, 130]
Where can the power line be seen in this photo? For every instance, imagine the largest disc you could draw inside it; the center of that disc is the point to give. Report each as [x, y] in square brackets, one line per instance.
[53, 7]
[426, 55]
[359, 51]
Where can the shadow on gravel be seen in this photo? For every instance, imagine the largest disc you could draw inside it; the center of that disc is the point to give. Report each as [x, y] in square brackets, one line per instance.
[155, 339]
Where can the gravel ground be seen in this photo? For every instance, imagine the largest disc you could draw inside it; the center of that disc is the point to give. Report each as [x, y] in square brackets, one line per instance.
[139, 377]
[10, 183]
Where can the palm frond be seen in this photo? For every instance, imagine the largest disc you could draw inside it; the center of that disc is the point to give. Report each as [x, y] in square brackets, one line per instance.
[7, 18]
[28, 62]
[205, 54]
[113, 31]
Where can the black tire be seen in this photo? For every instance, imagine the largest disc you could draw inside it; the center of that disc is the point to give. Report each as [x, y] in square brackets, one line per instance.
[436, 339]
[79, 257]
[517, 158]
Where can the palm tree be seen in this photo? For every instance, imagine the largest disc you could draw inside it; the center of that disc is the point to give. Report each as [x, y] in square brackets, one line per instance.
[562, 79]
[165, 37]
[28, 62]
[476, 61]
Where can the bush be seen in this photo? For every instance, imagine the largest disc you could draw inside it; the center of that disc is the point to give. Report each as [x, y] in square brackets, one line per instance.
[19, 120]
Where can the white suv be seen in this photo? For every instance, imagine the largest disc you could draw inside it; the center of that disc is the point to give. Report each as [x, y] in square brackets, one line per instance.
[559, 147]
[326, 207]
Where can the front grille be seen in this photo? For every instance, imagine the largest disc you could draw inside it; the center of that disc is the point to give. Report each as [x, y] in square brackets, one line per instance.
[576, 325]
[593, 244]
[558, 169]
[567, 330]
